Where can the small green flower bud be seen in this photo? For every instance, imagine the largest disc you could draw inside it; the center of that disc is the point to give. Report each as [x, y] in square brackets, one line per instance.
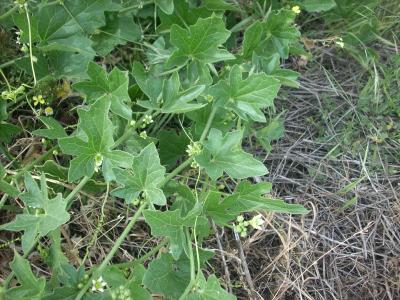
[143, 135]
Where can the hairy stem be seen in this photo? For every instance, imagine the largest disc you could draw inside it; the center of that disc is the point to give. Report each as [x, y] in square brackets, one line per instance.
[187, 162]
[30, 43]
[143, 258]
[72, 194]
[208, 124]
[113, 250]
[140, 5]
[9, 12]
[132, 129]
[192, 267]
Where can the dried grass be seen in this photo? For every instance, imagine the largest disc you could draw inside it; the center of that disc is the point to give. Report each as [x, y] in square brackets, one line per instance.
[331, 253]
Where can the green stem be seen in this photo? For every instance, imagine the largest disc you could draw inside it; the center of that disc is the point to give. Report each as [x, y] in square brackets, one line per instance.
[143, 258]
[72, 194]
[177, 170]
[113, 250]
[124, 137]
[3, 200]
[6, 80]
[135, 6]
[35, 162]
[57, 2]
[11, 62]
[187, 162]
[208, 124]
[132, 129]
[176, 69]
[7, 153]
[30, 43]
[132, 222]
[192, 267]
[9, 12]
[159, 123]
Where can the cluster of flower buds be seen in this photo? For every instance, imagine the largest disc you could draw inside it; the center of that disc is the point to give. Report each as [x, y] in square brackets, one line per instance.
[339, 42]
[209, 98]
[20, 3]
[140, 200]
[121, 293]
[242, 224]
[83, 282]
[147, 119]
[98, 161]
[12, 95]
[193, 149]
[296, 9]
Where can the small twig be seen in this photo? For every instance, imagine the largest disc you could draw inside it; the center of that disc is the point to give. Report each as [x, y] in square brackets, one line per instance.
[227, 273]
[245, 267]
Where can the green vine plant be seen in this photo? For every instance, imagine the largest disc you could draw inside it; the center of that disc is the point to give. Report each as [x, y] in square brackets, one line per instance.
[168, 132]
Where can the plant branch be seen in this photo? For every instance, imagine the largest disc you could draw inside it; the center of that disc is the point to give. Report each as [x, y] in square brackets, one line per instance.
[113, 250]
[132, 129]
[30, 43]
[71, 195]
[9, 12]
[140, 5]
[208, 124]
[143, 258]
[192, 267]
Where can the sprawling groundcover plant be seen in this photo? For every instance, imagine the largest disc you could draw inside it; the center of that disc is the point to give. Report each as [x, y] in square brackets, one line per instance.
[169, 136]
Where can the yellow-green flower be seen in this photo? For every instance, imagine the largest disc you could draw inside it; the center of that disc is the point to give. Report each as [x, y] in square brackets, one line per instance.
[296, 9]
[38, 100]
[48, 111]
[98, 161]
[194, 165]
[148, 119]
[339, 42]
[121, 293]
[98, 285]
[143, 135]
[193, 149]
[256, 222]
